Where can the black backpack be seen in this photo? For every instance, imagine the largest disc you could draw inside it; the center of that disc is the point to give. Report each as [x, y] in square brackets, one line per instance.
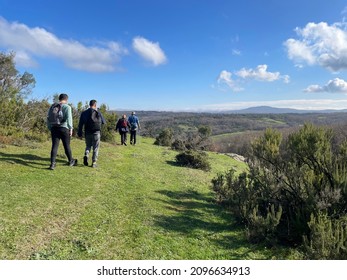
[94, 121]
[55, 115]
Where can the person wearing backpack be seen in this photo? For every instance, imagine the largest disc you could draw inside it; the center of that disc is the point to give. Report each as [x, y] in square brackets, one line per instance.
[91, 120]
[134, 125]
[123, 126]
[59, 122]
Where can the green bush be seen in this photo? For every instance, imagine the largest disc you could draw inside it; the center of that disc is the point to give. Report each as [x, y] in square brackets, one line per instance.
[328, 238]
[288, 181]
[164, 138]
[194, 159]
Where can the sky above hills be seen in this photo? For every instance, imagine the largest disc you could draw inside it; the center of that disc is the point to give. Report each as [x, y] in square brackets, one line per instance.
[182, 54]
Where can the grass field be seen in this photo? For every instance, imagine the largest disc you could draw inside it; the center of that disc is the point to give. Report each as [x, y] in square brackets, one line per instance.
[136, 205]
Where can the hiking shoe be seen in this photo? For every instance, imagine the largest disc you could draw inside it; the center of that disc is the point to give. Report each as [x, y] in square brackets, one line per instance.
[52, 166]
[73, 162]
[125, 144]
[131, 142]
[94, 165]
[85, 160]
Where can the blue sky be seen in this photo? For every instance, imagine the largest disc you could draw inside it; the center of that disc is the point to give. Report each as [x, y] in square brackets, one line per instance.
[182, 55]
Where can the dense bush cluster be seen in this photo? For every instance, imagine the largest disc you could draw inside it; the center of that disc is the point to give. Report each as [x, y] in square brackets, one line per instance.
[295, 191]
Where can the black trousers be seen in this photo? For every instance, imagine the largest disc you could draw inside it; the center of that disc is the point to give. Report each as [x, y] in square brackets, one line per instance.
[123, 137]
[133, 136]
[63, 134]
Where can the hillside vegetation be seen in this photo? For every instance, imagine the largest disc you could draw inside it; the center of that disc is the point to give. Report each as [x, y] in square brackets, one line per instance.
[138, 204]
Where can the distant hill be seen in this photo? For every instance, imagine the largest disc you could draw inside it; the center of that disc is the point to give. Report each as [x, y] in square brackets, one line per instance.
[251, 110]
[274, 110]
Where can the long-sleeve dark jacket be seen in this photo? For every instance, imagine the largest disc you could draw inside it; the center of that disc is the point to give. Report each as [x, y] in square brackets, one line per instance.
[83, 122]
[123, 125]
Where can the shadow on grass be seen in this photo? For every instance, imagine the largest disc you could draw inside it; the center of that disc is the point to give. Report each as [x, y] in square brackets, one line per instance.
[173, 163]
[29, 160]
[197, 215]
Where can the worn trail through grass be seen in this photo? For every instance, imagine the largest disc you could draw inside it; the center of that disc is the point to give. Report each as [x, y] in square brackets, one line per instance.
[136, 205]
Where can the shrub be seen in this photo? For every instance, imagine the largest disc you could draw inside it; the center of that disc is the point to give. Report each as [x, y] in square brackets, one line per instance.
[327, 239]
[194, 159]
[164, 138]
[108, 130]
[288, 181]
[178, 145]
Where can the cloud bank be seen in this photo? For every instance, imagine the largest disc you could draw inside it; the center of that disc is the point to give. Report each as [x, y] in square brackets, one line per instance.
[303, 104]
[29, 43]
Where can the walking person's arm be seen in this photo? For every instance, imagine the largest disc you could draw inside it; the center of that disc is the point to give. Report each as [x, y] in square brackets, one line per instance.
[117, 125]
[103, 121]
[69, 120]
[138, 123]
[81, 124]
[48, 124]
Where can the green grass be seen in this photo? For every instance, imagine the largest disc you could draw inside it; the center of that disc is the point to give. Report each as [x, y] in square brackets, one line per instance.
[272, 121]
[136, 205]
[224, 136]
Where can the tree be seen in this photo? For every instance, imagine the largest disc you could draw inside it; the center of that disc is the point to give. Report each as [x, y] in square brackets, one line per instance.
[108, 129]
[14, 87]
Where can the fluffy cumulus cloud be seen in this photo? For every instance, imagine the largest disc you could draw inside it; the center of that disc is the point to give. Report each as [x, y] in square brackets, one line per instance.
[320, 44]
[29, 43]
[334, 86]
[149, 51]
[261, 74]
[225, 79]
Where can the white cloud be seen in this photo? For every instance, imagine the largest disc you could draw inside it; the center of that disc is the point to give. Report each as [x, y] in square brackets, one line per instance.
[320, 44]
[224, 78]
[236, 52]
[334, 86]
[261, 74]
[149, 51]
[23, 59]
[37, 42]
[302, 104]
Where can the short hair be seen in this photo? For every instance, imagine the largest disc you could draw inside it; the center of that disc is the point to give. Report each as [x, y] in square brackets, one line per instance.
[92, 102]
[63, 96]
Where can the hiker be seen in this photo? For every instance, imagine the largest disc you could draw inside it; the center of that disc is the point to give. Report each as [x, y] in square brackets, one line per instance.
[123, 126]
[134, 125]
[59, 122]
[91, 120]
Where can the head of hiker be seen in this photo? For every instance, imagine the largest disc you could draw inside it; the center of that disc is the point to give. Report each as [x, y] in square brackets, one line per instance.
[92, 104]
[63, 98]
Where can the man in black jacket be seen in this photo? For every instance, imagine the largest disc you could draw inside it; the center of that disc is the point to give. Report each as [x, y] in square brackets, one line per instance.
[92, 120]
